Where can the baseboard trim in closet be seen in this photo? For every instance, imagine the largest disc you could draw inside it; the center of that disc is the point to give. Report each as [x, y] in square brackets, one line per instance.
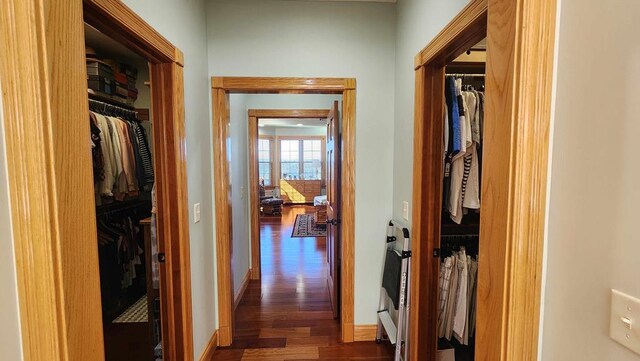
[207, 354]
[364, 332]
[243, 288]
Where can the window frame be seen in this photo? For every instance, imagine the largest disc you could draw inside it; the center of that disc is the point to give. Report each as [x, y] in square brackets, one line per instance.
[301, 139]
[272, 159]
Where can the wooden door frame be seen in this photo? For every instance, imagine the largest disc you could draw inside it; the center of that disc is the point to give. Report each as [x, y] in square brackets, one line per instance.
[254, 197]
[221, 88]
[44, 93]
[520, 59]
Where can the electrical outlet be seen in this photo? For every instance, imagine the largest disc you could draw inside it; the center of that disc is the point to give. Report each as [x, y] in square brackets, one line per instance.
[405, 210]
[196, 213]
[242, 192]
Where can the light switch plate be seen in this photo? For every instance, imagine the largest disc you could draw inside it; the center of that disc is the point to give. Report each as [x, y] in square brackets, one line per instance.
[196, 213]
[625, 320]
[405, 210]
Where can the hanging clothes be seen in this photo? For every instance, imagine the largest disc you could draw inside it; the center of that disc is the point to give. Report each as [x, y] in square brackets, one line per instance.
[122, 163]
[146, 163]
[457, 159]
[155, 262]
[458, 297]
[451, 301]
[446, 270]
[105, 186]
[121, 257]
[463, 137]
[461, 310]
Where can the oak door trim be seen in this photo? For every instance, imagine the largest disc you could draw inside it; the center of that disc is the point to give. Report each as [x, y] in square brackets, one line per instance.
[167, 88]
[514, 175]
[289, 113]
[221, 87]
[254, 198]
[34, 210]
[465, 28]
[222, 203]
[266, 85]
[52, 198]
[128, 28]
[254, 195]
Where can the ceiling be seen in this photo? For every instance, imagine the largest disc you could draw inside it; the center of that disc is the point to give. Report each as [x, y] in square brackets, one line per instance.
[362, 1]
[293, 123]
[105, 47]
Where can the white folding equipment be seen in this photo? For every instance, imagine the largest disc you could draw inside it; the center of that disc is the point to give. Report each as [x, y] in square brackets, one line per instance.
[397, 334]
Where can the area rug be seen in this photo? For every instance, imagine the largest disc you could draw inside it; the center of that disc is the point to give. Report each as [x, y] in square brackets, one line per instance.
[134, 314]
[305, 226]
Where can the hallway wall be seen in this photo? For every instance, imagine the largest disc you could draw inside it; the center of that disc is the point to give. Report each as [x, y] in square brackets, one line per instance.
[592, 233]
[183, 23]
[10, 337]
[333, 39]
[418, 22]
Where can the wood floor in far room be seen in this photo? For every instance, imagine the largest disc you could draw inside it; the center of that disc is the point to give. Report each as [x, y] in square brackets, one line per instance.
[287, 315]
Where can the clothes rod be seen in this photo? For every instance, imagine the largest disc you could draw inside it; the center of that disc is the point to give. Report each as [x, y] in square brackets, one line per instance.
[105, 99]
[117, 206]
[468, 75]
[95, 105]
[459, 236]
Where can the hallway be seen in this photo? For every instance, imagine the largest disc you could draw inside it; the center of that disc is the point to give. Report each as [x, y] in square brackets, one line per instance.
[287, 315]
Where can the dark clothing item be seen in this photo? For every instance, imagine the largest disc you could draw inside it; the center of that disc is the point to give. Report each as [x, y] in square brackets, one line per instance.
[96, 150]
[145, 155]
[454, 113]
[391, 277]
[453, 142]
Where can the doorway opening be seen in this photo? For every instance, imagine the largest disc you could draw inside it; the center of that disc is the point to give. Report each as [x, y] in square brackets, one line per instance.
[287, 168]
[292, 183]
[290, 267]
[122, 153]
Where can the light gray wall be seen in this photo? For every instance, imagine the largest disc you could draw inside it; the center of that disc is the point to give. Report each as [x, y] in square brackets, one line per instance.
[183, 22]
[267, 131]
[10, 337]
[144, 91]
[593, 221]
[418, 22]
[333, 39]
[291, 131]
[239, 106]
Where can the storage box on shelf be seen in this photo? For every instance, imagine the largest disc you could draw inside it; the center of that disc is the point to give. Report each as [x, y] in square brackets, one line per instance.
[111, 79]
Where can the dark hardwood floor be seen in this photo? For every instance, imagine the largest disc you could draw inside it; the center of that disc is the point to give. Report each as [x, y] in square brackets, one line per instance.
[287, 315]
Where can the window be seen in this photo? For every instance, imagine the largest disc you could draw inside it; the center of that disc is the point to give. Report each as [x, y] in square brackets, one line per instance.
[312, 158]
[265, 163]
[290, 159]
[301, 159]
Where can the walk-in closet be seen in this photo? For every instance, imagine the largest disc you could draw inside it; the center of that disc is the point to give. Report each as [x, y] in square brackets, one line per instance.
[460, 243]
[121, 140]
